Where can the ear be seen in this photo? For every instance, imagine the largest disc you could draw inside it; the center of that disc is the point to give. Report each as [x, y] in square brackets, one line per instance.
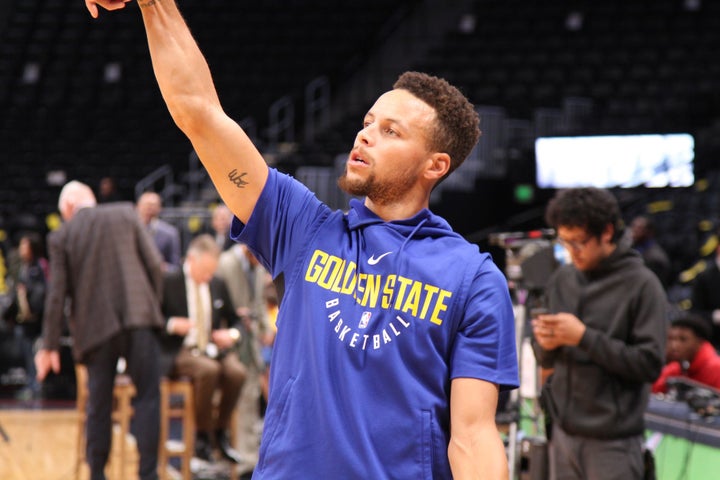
[607, 233]
[66, 210]
[438, 166]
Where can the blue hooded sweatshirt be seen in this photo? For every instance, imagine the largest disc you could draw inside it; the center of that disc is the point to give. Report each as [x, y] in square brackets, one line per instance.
[376, 319]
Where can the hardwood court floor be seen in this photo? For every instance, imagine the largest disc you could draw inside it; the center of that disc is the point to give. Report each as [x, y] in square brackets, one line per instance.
[41, 444]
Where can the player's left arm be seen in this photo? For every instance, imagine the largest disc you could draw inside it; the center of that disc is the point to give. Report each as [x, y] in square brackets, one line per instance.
[476, 450]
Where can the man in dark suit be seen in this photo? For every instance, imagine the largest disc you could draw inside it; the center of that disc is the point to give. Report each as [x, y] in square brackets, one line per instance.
[202, 327]
[165, 235]
[220, 222]
[103, 261]
[642, 230]
[705, 295]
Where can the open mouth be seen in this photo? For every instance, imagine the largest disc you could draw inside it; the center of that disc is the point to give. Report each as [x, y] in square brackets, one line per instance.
[356, 158]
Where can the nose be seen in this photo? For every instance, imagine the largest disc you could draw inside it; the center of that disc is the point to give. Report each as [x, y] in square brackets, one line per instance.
[363, 136]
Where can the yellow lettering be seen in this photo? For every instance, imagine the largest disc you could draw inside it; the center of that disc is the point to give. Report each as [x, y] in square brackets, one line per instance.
[388, 291]
[431, 291]
[413, 299]
[331, 270]
[360, 290]
[440, 307]
[338, 278]
[404, 282]
[400, 293]
[349, 279]
[315, 268]
[372, 291]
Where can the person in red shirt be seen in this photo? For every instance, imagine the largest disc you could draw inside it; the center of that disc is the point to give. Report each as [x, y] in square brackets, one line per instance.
[690, 354]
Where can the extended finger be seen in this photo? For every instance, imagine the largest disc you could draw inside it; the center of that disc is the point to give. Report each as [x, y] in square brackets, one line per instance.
[92, 8]
[55, 361]
[106, 4]
[41, 371]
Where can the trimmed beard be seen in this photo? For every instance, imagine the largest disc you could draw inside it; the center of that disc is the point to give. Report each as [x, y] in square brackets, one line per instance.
[381, 193]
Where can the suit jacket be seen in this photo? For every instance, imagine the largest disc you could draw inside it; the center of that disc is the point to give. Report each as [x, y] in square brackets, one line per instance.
[167, 240]
[104, 262]
[246, 286]
[706, 297]
[175, 305]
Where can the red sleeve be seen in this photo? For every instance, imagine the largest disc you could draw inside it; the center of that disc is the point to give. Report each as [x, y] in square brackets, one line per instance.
[670, 370]
[711, 374]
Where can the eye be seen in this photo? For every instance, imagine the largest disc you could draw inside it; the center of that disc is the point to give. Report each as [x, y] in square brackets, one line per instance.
[390, 131]
[365, 124]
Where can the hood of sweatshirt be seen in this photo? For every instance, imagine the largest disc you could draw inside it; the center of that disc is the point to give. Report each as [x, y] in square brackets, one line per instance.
[618, 259]
[423, 224]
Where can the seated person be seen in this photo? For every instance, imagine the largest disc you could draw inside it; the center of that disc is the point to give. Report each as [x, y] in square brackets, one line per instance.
[690, 354]
[201, 329]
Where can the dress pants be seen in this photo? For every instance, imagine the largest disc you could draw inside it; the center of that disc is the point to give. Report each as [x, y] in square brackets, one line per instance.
[140, 348]
[225, 373]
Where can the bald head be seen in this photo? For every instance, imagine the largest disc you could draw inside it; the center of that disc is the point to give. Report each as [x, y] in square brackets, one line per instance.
[73, 196]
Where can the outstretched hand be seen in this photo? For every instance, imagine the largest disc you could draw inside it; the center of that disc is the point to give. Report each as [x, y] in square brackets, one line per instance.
[106, 4]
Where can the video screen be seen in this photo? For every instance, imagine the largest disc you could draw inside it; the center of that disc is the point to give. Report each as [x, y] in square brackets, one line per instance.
[607, 161]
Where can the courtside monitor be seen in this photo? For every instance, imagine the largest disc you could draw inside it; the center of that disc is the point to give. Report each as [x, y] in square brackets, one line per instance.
[608, 161]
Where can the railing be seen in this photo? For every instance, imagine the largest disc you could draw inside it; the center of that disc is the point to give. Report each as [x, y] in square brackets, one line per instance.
[317, 107]
[162, 175]
[282, 122]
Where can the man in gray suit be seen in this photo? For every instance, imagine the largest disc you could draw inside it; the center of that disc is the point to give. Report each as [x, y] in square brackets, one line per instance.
[246, 280]
[105, 264]
[165, 235]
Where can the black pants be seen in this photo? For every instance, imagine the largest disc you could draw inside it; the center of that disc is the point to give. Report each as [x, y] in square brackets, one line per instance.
[140, 349]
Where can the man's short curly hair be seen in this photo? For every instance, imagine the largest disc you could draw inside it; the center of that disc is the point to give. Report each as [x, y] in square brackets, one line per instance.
[457, 129]
[694, 322]
[590, 208]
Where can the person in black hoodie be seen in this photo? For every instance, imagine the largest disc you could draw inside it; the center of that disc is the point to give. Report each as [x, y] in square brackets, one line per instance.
[604, 339]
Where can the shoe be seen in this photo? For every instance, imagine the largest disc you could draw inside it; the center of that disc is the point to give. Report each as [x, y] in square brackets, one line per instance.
[223, 444]
[203, 448]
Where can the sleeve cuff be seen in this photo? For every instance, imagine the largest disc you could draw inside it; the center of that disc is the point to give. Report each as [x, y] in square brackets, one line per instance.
[588, 339]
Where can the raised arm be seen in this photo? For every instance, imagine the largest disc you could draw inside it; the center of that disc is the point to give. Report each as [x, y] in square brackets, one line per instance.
[235, 166]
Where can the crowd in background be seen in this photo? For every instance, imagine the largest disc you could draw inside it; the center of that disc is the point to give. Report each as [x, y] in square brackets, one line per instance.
[693, 337]
[24, 274]
[232, 275]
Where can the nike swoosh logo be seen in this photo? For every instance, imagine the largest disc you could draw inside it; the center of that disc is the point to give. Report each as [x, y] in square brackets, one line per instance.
[373, 261]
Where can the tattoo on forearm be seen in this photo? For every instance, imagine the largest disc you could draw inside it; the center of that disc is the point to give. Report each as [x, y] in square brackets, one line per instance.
[147, 3]
[237, 179]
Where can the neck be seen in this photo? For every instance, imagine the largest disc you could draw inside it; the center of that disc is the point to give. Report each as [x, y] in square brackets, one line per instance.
[609, 248]
[76, 208]
[398, 210]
